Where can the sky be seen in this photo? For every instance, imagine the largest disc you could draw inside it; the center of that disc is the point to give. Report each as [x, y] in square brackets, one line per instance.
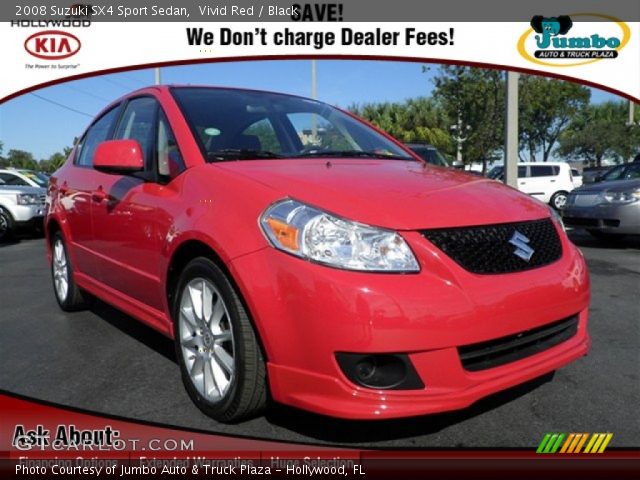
[45, 121]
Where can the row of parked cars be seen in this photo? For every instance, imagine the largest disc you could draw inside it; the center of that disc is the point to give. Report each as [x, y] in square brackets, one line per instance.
[22, 200]
[607, 205]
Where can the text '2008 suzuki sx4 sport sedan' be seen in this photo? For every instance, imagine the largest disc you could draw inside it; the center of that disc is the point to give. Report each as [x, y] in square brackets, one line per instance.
[293, 251]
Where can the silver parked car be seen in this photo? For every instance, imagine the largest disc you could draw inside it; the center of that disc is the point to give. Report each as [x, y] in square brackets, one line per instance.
[20, 207]
[607, 209]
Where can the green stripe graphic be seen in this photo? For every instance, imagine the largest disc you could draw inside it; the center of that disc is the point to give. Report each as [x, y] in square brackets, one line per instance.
[543, 443]
[551, 443]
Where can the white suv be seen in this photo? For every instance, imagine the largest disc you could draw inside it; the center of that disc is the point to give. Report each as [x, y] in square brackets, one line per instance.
[21, 207]
[549, 182]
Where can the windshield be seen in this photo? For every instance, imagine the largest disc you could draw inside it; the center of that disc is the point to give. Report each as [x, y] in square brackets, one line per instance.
[622, 172]
[244, 125]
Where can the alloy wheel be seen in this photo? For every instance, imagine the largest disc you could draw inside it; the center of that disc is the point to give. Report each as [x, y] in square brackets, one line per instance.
[206, 339]
[60, 270]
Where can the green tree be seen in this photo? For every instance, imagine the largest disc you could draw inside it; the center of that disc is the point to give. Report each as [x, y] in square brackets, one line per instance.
[601, 131]
[21, 159]
[474, 97]
[414, 120]
[547, 107]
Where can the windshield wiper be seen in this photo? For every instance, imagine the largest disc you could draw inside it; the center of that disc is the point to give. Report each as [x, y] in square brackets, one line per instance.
[351, 154]
[227, 154]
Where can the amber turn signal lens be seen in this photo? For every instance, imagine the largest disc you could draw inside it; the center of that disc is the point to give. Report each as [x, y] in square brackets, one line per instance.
[286, 234]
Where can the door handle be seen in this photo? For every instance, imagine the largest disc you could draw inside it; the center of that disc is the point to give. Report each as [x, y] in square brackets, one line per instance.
[64, 189]
[99, 195]
[553, 181]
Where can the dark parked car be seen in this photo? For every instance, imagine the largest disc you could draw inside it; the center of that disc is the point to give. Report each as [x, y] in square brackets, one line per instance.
[607, 209]
[432, 155]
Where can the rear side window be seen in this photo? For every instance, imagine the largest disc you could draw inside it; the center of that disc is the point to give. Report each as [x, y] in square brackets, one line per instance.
[96, 134]
[543, 170]
[138, 123]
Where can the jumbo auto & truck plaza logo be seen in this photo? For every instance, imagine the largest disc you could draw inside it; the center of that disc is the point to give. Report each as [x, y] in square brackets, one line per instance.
[567, 40]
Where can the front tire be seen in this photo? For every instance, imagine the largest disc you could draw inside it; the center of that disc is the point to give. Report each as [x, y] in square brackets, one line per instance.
[6, 225]
[68, 294]
[220, 359]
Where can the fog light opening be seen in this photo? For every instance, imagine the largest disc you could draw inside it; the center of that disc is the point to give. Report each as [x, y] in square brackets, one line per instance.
[380, 371]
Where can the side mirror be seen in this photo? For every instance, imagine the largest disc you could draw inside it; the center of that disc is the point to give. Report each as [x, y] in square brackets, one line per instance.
[119, 156]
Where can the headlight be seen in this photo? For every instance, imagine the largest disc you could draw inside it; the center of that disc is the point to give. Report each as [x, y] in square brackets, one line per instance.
[310, 233]
[557, 217]
[622, 197]
[28, 199]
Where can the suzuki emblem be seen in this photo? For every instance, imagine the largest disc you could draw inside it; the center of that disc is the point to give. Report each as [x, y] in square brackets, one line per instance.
[521, 242]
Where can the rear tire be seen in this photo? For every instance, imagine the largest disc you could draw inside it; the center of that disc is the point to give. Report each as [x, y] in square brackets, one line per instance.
[68, 294]
[6, 225]
[220, 359]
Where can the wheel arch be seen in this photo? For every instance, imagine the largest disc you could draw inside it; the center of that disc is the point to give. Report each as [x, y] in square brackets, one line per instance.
[180, 258]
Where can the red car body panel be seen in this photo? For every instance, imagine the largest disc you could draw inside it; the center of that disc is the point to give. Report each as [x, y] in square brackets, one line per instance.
[121, 245]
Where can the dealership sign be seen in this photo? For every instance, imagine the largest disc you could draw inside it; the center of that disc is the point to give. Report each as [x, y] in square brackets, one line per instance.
[52, 45]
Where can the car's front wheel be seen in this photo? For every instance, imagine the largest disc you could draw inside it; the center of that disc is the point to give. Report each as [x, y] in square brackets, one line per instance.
[6, 225]
[220, 359]
[68, 294]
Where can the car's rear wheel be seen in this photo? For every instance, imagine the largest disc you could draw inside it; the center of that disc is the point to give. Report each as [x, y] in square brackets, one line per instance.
[559, 200]
[6, 225]
[220, 359]
[68, 294]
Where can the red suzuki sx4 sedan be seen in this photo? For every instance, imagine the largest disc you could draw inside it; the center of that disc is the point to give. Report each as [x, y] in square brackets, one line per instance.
[295, 252]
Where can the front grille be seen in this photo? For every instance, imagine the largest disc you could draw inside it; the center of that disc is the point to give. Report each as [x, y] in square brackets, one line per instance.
[43, 198]
[481, 356]
[486, 249]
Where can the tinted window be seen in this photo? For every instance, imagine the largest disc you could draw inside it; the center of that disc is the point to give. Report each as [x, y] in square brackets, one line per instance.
[225, 120]
[432, 156]
[170, 163]
[10, 179]
[138, 123]
[542, 170]
[615, 173]
[97, 134]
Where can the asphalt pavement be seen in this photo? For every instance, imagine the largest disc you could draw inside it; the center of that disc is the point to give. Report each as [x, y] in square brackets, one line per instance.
[106, 362]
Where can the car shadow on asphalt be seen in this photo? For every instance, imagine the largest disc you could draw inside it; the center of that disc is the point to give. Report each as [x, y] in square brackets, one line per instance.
[346, 432]
[134, 329]
[320, 427]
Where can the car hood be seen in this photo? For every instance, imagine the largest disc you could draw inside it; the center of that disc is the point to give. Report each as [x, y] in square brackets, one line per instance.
[15, 189]
[612, 186]
[403, 195]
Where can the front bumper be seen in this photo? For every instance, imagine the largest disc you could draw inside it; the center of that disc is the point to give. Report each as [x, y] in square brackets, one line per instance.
[610, 218]
[305, 313]
[28, 216]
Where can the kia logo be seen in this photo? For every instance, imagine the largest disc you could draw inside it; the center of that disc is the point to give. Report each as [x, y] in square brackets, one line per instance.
[52, 45]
